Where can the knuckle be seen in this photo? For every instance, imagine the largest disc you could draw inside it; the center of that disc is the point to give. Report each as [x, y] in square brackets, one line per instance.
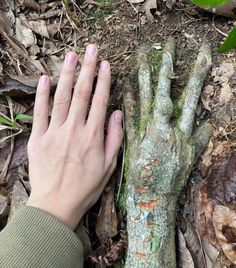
[88, 62]
[61, 99]
[118, 132]
[38, 113]
[82, 94]
[92, 134]
[101, 100]
[93, 137]
[67, 71]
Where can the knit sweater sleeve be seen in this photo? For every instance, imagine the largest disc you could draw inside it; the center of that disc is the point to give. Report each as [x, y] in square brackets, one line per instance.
[35, 239]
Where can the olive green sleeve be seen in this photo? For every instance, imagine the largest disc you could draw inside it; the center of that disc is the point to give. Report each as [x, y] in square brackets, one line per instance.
[35, 239]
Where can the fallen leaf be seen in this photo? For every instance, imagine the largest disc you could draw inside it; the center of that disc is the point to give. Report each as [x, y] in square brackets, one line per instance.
[19, 198]
[107, 221]
[54, 65]
[185, 259]
[30, 3]
[224, 221]
[109, 256]
[170, 3]
[38, 27]
[206, 95]
[223, 73]
[3, 203]
[4, 211]
[226, 94]
[24, 34]
[4, 21]
[17, 46]
[135, 1]
[221, 180]
[148, 6]
[193, 243]
[211, 254]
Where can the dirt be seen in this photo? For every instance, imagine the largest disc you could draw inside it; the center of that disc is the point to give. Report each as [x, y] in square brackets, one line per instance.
[118, 28]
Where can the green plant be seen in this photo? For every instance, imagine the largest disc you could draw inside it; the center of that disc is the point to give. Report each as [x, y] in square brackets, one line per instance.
[5, 120]
[210, 3]
[230, 41]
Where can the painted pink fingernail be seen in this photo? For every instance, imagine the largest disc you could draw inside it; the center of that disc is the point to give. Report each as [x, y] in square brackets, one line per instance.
[44, 80]
[118, 117]
[91, 50]
[71, 58]
[104, 65]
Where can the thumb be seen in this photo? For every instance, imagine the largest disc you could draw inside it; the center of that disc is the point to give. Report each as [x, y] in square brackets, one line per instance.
[114, 139]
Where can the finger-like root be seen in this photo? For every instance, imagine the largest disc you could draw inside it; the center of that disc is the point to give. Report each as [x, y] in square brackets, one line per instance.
[163, 107]
[193, 90]
[145, 88]
[129, 111]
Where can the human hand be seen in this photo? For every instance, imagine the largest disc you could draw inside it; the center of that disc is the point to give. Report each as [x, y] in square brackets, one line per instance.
[70, 160]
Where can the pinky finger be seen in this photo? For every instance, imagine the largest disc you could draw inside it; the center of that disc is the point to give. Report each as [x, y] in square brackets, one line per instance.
[40, 119]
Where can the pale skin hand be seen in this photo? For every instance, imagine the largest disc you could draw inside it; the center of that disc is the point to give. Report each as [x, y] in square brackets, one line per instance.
[70, 160]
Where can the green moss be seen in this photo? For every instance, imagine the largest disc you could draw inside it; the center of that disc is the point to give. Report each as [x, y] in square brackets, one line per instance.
[122, 199]
[97, 14]
[120, 264]
[176, 112]
[155, 59]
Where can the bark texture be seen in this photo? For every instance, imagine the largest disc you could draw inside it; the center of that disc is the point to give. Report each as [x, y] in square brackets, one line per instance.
[159, 156]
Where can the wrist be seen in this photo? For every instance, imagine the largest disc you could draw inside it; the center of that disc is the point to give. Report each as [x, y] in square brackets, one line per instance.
[67, 215]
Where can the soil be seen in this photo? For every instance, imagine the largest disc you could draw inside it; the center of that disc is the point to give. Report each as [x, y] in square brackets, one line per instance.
[118, 28]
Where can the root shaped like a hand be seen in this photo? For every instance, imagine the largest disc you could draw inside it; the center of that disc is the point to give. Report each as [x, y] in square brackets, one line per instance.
[159, 156]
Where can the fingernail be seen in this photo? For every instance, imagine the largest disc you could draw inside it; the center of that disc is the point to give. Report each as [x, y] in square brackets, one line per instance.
[118, 117]
[91, 50]
[44, 80]
[71, 58]
[104, 65]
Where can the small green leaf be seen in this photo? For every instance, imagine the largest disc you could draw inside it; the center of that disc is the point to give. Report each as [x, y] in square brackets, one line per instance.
[229, 43]
[23, 117]
[210, 3]
[5, 121]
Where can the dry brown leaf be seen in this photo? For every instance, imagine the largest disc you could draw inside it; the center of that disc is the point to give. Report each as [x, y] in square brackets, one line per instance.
[206, 95]
[170, 3]
[135, 1]
[109, 256]
[185, 259]
[223, 73]
[226, 94]
[13, 87]
[4, 211]
[3, 205]
[19, 198]
[107, 221]
[193, 243]
[24, 34]
[150, 4]
[221, 179]
[4, 22]
[30, 3]
[211, 254]
[39, 27]
[224, 221]
[54, 65]
[16, 45]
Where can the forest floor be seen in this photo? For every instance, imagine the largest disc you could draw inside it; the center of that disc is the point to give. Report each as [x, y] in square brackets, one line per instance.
[34, 37]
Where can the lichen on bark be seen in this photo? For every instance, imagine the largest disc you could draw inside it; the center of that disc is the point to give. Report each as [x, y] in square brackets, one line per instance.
[160, 156]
